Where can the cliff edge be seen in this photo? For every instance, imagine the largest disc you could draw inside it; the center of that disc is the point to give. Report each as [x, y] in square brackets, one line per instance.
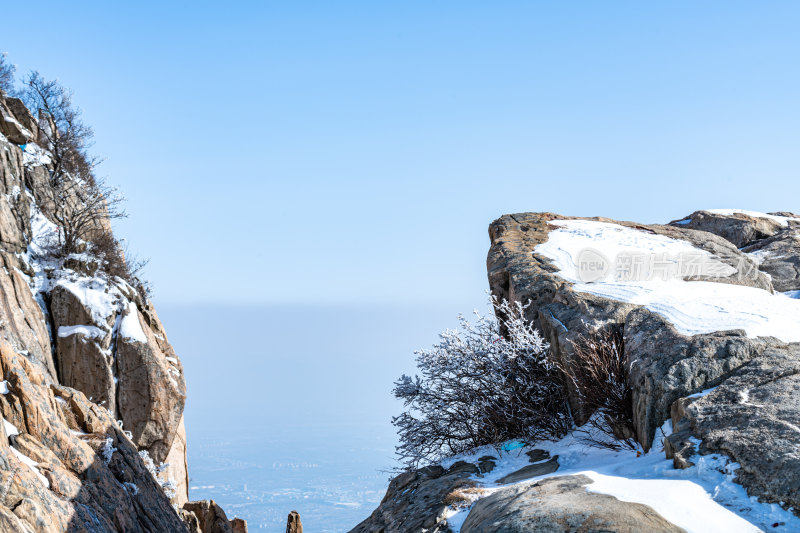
[92, 391]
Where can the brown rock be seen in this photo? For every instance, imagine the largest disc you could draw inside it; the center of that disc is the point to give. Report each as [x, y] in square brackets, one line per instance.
[151, 390]
[239, 525]
[210, 518]
[22, 322]
[87, 493]
[293, 523]
[178, 469]
[12, 128]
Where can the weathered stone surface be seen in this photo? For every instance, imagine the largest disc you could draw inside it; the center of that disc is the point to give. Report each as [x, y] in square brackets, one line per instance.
[531, 471]
[779, 257]
[178, 469]
[560, 504]
[293, 523]
[669, 366]
[86, 493]
[85, 361]
[11, 127]
[151, 391]
[753, 416]
[565, 316]
[240, 526]
[205, 516]
[741, 229]
[23, 116]
[416, 501]
[774, 243]
[22, 322]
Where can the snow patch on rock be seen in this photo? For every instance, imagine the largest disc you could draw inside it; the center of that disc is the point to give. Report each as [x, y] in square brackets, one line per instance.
[693, 307]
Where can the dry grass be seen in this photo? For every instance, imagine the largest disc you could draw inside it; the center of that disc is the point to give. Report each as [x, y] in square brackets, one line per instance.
[599, 373]
[464, 494]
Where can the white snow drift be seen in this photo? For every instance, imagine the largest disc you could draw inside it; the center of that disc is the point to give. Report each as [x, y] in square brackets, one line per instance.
[693, 307]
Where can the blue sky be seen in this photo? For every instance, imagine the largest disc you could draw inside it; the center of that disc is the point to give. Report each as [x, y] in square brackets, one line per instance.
[355, 152]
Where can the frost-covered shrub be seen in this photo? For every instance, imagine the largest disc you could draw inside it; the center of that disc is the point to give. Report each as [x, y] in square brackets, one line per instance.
[599, 373]
[107, 450]
[167, 485]
[116, 261]
[479, 387]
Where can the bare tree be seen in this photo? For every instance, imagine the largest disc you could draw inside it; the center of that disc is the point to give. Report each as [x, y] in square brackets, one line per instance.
[7, 72]
[479, 387]
[83, 211]
[599, 373]
[61, 129]
[83, 205]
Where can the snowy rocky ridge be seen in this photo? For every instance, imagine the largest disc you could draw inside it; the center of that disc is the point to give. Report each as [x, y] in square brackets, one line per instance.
[707, 305]
[93, 393]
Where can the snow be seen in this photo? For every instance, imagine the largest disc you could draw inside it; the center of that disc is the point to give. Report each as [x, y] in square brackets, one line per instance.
[783, 221]
[792, 294]
[45, 233]
[33, 156]
[91, 332]
[701, 393]
[4, 387]
[684, 503]
[94, 294]
[130, 327]
[11, 429]
[693, 307]
[701, 499]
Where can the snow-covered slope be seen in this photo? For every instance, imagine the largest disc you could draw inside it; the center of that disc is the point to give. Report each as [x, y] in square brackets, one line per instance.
[700, 499]
[693, 307]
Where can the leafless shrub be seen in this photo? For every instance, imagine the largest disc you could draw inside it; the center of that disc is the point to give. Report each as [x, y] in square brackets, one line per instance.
[478, 387]
[7, 71]
[599, 373]
[116, 261]
[82, 205]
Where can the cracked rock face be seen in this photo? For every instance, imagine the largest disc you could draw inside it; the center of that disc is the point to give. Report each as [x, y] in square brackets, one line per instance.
[73, 487]
[753, 416]
[75, 366]
[667, 366]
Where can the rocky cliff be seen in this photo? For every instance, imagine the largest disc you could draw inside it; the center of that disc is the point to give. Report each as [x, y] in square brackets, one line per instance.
[92, 391]
[711, 324]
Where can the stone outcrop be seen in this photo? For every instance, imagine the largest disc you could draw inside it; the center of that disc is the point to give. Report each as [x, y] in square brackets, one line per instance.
[753, 416]
[564, 316]
[205, 516]
[74, 485]
[81, 352]
[417, 501]
[559, 504]
[665, 365]
[773, 240]
[16, 122]
[293, 523]
[724, 391]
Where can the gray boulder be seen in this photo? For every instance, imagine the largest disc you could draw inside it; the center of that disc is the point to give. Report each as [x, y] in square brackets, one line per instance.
[561, 504]
[779, 256]
[741, 229]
